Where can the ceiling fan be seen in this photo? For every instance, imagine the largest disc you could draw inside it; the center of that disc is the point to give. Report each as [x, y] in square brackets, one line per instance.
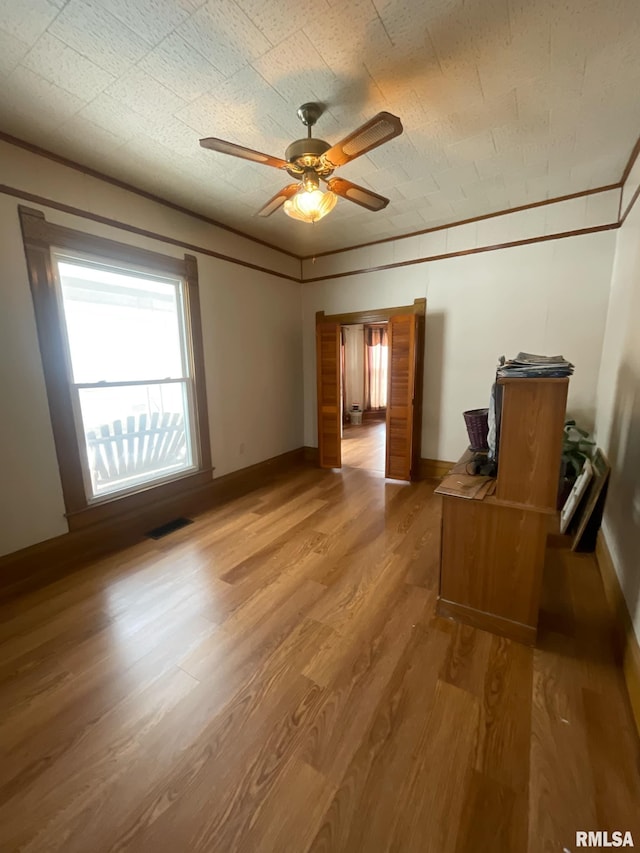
[311, 160]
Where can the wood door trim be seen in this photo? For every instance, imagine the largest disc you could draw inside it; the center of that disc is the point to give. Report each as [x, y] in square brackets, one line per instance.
[405, 410]
[328, 332]
[374, 315]
[383, 315]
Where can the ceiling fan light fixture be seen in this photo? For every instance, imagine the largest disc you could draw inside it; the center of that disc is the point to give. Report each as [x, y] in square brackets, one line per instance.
[311, 160]
[310, 180]
[310, 206]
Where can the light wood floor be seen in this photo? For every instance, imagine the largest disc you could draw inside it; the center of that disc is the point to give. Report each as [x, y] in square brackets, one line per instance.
[363, 446]
[273, 678]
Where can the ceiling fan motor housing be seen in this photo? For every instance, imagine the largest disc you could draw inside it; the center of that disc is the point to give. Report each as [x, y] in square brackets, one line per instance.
[306, 154]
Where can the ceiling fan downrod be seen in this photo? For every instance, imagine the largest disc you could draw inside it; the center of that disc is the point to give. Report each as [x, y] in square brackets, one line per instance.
[309, 115]
[304, 154]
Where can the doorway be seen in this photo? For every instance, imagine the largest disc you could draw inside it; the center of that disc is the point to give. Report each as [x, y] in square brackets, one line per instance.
[364, 383]
[405, 331]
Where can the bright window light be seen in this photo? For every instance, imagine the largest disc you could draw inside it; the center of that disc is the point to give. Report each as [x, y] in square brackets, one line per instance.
[130, 373]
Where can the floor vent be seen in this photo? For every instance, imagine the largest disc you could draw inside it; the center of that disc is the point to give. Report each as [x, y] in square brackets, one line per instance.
[169, 527]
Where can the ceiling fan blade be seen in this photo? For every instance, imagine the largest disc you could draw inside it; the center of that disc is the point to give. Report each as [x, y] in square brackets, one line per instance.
[381, 128]
[225, 147]
[360, 195]
[278, 199]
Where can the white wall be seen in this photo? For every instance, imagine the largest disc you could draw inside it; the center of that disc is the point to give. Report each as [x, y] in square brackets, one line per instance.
[31, 505]
[618, 416]
[549, 297]
[251, 331]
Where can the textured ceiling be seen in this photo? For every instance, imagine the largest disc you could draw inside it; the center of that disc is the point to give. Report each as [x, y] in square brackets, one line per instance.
[503, 102]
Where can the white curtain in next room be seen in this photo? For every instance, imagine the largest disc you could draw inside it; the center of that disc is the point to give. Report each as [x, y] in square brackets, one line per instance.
[354, 366]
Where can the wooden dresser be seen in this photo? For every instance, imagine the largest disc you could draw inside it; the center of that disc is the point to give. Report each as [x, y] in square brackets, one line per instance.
[493, 543]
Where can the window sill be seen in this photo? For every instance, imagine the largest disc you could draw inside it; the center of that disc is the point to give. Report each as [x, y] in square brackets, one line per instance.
[122, 505]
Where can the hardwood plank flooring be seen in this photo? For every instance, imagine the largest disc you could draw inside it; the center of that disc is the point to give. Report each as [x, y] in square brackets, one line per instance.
[363, 445]
[273, 677]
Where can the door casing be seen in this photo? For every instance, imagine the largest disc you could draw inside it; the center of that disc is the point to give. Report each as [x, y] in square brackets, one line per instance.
[380, 315]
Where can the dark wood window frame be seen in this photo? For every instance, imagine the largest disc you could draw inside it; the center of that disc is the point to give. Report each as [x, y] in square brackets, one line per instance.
[40, 237]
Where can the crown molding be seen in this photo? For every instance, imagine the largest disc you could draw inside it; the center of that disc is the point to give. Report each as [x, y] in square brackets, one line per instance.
[476, 250]
[116, 182]
[484, 216]
[124, 226]
[65, 161]
[627, 171]
[634, 199]
[635, 152]
[632, 159]
[114, 223]
[143, 232]
[35, 149]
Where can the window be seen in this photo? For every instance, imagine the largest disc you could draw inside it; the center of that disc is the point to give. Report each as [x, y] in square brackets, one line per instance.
[121, 345]
[376, 357]
[129, 372]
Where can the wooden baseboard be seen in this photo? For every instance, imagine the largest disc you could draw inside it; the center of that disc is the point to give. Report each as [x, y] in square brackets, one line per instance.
[310, 454]
[46, 561]
[369, 416]
[626, 640]
[434, 469]
[428, 469]
[517, 631]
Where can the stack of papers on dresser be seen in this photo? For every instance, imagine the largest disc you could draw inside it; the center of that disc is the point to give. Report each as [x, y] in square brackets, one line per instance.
[461, 484]
[528, 365]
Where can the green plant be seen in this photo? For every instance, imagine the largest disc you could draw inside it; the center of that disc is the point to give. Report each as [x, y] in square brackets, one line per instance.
[575, 448]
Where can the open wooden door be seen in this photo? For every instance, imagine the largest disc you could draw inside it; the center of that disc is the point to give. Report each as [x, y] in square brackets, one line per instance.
[402, 413]
[328, 376]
